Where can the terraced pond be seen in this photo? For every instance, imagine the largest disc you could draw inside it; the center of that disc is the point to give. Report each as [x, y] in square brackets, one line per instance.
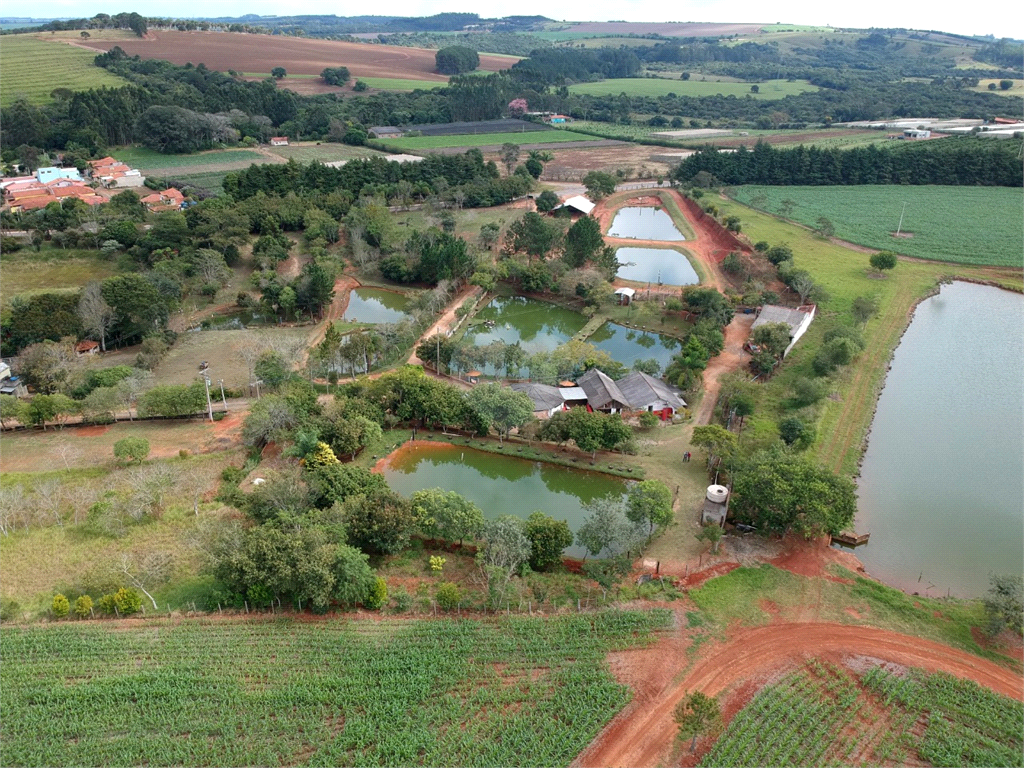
[500, 485]
[643, 223]
[627, 345]
[660, 266]
[376, 305]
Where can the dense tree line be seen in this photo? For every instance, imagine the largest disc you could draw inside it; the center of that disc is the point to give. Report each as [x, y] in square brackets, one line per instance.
[556, 66]
[456, 60]
[963, 161]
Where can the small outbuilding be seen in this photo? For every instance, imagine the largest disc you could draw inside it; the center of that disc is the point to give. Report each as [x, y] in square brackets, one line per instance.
[279, 141]
[916, 133]
[577, 205]
[625, 295]
[716, 506]
[798, 320]
[87, 347]
[386, 132]
[547, 400]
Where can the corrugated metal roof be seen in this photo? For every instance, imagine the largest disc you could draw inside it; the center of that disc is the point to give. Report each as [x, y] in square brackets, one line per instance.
[642, 390]
[579, 202]
[771, 313]
[601, 391]
[544, 396]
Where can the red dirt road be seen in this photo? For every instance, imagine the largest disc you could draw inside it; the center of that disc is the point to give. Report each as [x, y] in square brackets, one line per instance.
[644, 733]
[732, 358]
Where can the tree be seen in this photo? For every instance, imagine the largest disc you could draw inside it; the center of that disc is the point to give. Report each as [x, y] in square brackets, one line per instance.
[1004, 603]
[446, 515]
[719, 442]
[12, 408]
[131, 449]
[500, 407]
[772, 337]
[599, 184]
[278, 72]
[754, 89]
[532, 234]
[1005, 85]
[506, 549]
[650, 502]
[864, 308]
[882, 261]
[47, 365]
[711, 533]
[509, 155]
[456, 59]
[151, 568]
[546, 201]
[378, 522]
[335, 75]
[825, 226]
[97, 316]
[582, 242]
[61, 606]
[697, 714]
[548, 537]
[44, 408]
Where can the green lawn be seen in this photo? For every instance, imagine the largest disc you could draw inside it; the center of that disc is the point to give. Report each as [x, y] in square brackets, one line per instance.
[279, 691]
[147, 159]
[967, 225]
[399, 84]
[33, 68]
[772, 89]
[488, 139]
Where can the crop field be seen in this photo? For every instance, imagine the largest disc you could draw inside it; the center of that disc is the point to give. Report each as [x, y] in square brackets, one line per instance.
[399, 84]
[148, 160]
[578, 30]
[770, 89]
[825, 715]
[33, 68]
[325, 152]
[515, 691]
[298, 55]
[965, 225]
[487, 139]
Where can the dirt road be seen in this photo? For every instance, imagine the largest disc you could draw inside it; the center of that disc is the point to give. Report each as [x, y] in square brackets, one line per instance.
[732, 358]
[644, 733]
[446, 321]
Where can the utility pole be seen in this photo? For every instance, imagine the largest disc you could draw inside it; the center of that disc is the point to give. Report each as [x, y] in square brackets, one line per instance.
[900, 226]
[209, 403]
[223, 397]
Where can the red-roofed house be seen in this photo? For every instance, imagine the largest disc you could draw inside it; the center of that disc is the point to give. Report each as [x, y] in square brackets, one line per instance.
[87, 347]
[168, 200]
[279, 141]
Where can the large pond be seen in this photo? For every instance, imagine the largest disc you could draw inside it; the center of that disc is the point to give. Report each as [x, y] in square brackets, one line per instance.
[375, 305]
[644, 224]
[660, 266]
[500, 485]
[537, 325]
[942, 484]
[627, 345]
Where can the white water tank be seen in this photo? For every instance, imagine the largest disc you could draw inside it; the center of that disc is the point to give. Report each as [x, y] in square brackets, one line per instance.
[718, 493]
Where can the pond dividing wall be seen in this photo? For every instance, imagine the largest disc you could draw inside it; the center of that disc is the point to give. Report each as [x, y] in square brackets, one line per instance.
[942, 483]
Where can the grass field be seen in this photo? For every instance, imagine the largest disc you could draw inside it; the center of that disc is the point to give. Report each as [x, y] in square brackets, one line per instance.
[1016, 90]
[487, 139]
[967, 225]
[50, 270]
[325, 152]
[398, 84]
[265, 691]
[825, 714]
[770, 89]
[148, 160]
[844, 417]
[33, 68]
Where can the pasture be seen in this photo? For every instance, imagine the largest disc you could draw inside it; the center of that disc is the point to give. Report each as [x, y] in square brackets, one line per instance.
[487, 139]
[827, 714]
[298, 55]
[648, 86]
[964, 225]
[510, 691]
[33, 68]
[27, 271]
[324, 152]
[150, 160]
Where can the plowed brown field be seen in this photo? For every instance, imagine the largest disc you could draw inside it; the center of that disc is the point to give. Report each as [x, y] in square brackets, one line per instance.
[299, 56]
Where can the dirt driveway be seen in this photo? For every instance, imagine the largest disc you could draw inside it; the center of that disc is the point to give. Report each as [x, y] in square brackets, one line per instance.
[732, 358]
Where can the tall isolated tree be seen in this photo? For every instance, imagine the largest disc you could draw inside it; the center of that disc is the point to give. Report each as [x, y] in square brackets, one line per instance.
[96, 314]
[697, 714]
[883, 261]
[599, 184]
[509, 156]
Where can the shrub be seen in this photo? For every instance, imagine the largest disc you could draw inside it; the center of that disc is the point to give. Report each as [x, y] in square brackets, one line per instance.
[61, 606]
[648, 420]
[360, 86]
[808, 391]
[403, 600]
[437, 563]
[127, 601]
[548, 537]
[448, 596]
[83, 606]
[378, 595]
[131, 449]
[9, 608]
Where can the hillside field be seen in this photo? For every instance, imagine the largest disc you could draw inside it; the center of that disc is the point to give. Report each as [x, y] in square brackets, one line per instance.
[33, 68]
[648, 86]
[963, 225]
[487, 139]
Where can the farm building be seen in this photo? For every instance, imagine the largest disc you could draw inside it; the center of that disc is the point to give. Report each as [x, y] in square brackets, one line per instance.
[28, 194]
[798, 320]
[916, 133]
[625, 295]
[87, 347]
[114, 174]
[646, 393]
[578, 206]
[603, 394]
[279, 141]
[546, 399]
[558, 119]
[386, 132]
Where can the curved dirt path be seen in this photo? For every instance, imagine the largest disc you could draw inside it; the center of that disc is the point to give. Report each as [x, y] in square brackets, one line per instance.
[732, 358]
[644, 733]
[445, 322]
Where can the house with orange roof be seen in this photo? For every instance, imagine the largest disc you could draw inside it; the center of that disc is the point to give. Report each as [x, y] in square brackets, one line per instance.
[168, 200]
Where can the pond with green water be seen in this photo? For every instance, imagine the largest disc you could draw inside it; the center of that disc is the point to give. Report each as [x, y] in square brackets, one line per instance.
[376, 305]
[627, 345]
[644, 224]
[659, 266]
[500, 485]
[537, 325]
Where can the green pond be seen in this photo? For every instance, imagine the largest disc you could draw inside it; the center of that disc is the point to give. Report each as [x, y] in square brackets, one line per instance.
[661, 266]
[376, 305]
[500, 485]
[644, 224]
[627, 345]
[942, 483]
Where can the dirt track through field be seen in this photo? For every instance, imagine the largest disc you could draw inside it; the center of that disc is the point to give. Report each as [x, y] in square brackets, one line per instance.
[732, 358]
[644, 733]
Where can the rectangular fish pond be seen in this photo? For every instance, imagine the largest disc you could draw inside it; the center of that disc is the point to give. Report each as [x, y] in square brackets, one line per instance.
[500, 485]
[643, 223]
[627, 345]
[376, 305]
[659, 266]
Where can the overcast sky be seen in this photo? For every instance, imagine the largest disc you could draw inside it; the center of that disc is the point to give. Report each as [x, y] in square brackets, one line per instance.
[942, 16]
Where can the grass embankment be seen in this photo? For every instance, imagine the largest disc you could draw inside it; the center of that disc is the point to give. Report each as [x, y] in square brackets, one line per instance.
[400, 84]
[646, 86]
[962, 225]
[32, 69]
[845, 416]
[508, 691]
[325, 153]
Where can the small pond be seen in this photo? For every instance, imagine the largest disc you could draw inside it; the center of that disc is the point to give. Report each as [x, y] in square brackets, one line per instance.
[644, 224]
[660, 266]
[500, 485]
[376, 305]
[942, 486]
[537, 325]
[627, 345]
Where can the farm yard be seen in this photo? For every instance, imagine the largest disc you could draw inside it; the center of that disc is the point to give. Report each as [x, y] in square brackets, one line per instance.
[510, 691]
[33, 68]
[298, 55]
[963, 225]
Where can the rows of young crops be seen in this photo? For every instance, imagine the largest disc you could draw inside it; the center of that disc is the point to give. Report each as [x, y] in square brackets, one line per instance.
[444, 692]
[33, 68]
[963, 225]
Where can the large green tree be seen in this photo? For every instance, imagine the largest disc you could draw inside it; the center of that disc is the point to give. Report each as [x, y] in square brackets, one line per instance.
[650, 502]
[582, 242]
[548, 537]
[502, 407]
